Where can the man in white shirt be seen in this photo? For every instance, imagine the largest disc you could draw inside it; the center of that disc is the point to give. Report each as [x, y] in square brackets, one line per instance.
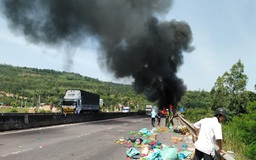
[208, 130]
[153, 117]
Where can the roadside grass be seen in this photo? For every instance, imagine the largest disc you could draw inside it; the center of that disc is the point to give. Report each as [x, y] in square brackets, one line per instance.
[13, 110]
[21, 110]
[231, 141]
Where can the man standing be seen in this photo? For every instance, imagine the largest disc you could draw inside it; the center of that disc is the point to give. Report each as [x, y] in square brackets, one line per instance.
[158, 116]
[153, 117]
[210, 131]
[171, 115]
[167, 118]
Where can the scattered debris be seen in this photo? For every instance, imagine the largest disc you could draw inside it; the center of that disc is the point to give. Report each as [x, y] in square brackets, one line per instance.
[144, 144]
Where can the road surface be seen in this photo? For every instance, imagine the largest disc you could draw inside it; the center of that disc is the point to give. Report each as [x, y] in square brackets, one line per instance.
[80, 141]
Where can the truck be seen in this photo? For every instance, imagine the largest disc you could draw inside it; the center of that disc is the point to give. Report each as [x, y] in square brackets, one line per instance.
[149, 109]
[126, 109]
[78, 101]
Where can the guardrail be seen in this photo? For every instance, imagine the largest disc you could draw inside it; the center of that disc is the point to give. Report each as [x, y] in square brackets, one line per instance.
[25, 121]
[218, 156]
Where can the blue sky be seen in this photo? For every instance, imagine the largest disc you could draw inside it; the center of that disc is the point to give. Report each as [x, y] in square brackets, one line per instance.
[224, 31]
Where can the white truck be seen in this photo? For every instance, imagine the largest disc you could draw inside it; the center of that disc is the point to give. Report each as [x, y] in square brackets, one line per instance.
[149, 109]
[77, 101]
[126, 109]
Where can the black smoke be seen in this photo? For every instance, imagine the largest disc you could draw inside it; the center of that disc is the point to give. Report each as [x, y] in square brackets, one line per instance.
[134, 43]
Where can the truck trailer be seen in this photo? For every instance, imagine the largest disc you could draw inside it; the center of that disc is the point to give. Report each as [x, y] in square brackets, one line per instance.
[78, 101]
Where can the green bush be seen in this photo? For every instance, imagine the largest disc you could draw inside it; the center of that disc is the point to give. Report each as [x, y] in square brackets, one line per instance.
[48, 111]
[41, 111]
[232, 141]
[247, 129]
[250, 150]
[195, 114]
[13, 110]
[239, 135]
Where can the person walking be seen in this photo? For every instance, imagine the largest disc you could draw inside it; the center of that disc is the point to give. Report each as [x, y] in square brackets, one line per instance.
[208, 132]
[158, 116]
[167, 118]
[153, 117]
[171, 115]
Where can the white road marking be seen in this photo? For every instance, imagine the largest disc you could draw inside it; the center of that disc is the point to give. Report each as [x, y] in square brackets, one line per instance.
[36, 129]
[83, 135]
[17, 152]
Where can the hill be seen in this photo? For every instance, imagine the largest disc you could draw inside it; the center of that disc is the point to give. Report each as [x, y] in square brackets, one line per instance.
[22, 86]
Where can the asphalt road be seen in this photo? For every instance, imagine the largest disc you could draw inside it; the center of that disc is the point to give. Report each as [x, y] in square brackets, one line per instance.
[80, 141]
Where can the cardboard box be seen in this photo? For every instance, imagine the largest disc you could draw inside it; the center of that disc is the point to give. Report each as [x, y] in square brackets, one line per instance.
[153, 137]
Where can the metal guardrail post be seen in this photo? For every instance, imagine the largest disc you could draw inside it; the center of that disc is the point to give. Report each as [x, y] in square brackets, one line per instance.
[226, 156]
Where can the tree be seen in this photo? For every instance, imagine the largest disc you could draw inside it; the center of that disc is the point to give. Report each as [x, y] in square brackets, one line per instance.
[251, 96]
[219, 93]
[237, 82]
[196, 99]
[229, 90]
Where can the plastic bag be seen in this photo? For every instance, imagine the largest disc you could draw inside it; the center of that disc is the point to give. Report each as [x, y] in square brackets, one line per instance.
[170, 153]
[185, 154]
[131, 152]
[156, 155]
[144, 132]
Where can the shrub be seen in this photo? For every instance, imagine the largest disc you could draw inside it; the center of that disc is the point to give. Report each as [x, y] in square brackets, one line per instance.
[41, 111]
[13, 110]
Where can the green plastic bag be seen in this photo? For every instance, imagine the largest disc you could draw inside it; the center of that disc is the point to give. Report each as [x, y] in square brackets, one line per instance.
[131, 152]
[170, 153]
[156, 155]
[144, 132]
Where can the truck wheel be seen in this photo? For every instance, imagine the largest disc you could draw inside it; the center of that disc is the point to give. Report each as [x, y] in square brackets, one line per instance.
[77, 111]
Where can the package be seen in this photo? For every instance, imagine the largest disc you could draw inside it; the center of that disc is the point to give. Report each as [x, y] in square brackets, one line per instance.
[162, 129]
[176, 139]
[153, 137]
[144, 151]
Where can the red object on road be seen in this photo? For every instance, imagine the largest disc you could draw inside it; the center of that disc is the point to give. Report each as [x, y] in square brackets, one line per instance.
[163, 112]
[170, 106]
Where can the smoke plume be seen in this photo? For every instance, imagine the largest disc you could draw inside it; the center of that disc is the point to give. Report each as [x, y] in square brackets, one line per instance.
[134, 43]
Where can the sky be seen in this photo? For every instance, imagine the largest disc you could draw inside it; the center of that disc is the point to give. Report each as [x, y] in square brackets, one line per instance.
[224, 31]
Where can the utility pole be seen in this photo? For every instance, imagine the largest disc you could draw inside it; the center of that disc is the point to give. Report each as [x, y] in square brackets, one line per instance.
[38, 103]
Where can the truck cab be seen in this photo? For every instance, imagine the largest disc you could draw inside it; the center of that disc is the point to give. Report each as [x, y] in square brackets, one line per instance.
[148, 109]
[126, 109]
[71, 102]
